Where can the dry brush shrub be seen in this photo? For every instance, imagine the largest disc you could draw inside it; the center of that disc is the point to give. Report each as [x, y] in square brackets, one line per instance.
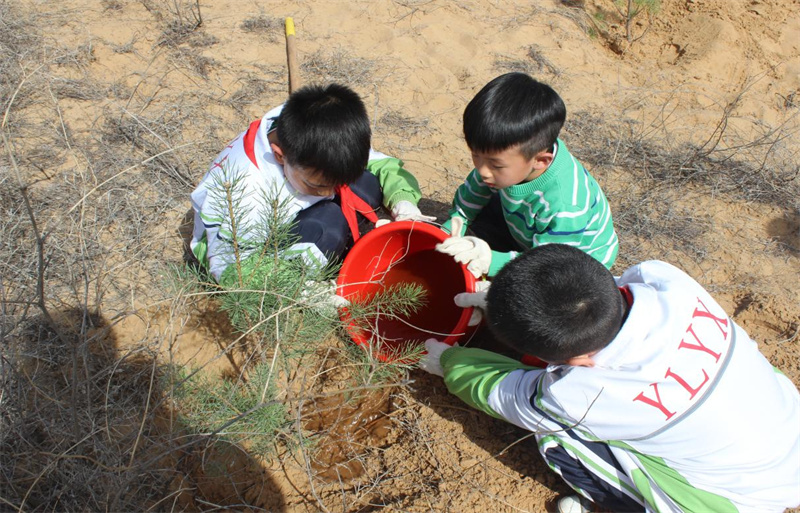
[123, 177]
[649, 220]
[23, 59]
[62, 166]
[150, 138]
[183, 36]
[180, 20]
[620, 23]
[649, 174]
[84, 425]
[71, 405]
[89, 426]
[74, 416]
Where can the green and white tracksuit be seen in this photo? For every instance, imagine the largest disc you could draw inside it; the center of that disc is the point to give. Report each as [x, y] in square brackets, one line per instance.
[564, 205]
[257, 181]
[694, 415]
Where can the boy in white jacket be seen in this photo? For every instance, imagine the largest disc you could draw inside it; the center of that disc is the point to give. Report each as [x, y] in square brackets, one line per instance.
[312, 156]
[653, 399]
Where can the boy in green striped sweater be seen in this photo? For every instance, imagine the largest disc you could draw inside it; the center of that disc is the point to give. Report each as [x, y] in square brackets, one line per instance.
[526, 190]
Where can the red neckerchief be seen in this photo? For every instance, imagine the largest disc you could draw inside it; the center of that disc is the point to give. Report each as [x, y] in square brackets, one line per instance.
[627, 294]
[249, 141]
[351, 204]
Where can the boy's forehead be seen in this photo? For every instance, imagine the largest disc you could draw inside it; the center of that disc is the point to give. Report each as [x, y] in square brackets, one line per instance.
[312, 176]
[506, 153]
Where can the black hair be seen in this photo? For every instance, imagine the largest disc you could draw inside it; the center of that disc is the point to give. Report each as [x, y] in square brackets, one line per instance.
[326, 128]
[555, 302]
[514, 109]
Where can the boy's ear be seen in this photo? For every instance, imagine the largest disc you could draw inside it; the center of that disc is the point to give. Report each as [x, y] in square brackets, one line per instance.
[584, 360]
[278, 152]
[542, 160]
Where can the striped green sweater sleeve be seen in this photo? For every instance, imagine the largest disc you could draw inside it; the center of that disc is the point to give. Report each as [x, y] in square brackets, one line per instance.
[470, 198]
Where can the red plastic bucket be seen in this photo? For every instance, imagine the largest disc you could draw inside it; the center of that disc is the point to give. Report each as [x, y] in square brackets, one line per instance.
[403, 252]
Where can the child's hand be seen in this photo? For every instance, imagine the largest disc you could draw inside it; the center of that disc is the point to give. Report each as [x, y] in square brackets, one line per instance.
[430, 361]
[322, 296]
[471, 251]
[476, 300]
[407, 211]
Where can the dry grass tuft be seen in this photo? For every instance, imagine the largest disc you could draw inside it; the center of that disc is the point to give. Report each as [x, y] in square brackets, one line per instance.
[257, 91]
[765, 169]
[536, 55]
[79, 57]
[396, 122]
[83, 89]
[574, 10]
[191, 59]
[790, 101]
[18, 35]
[534, 63]
[338, 66]
[165, 141]
[112, 5]
[263, 25]
[180, 31]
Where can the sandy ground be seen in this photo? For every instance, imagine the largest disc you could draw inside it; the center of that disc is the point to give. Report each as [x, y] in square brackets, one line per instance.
[717, 74]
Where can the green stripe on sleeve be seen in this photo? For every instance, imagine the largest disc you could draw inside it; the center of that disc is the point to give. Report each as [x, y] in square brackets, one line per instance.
[470, 197]
[643, 485]
[589, 462]
[471, 374]
[211, 219]
[200, 251]
[686, 496]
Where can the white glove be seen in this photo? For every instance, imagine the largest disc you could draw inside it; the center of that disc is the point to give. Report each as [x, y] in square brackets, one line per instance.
[430, 361]
[407, 211]
[321, 296]
[475, 253]
[476, 299]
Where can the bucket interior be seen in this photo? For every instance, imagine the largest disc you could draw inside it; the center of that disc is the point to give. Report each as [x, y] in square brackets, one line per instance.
[383, 259]
[435, 274]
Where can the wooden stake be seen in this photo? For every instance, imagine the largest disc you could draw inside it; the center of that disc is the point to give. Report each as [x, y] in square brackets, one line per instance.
[291, 57]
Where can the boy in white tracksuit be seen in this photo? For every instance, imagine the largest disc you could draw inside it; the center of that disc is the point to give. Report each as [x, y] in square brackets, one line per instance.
[654, 398]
